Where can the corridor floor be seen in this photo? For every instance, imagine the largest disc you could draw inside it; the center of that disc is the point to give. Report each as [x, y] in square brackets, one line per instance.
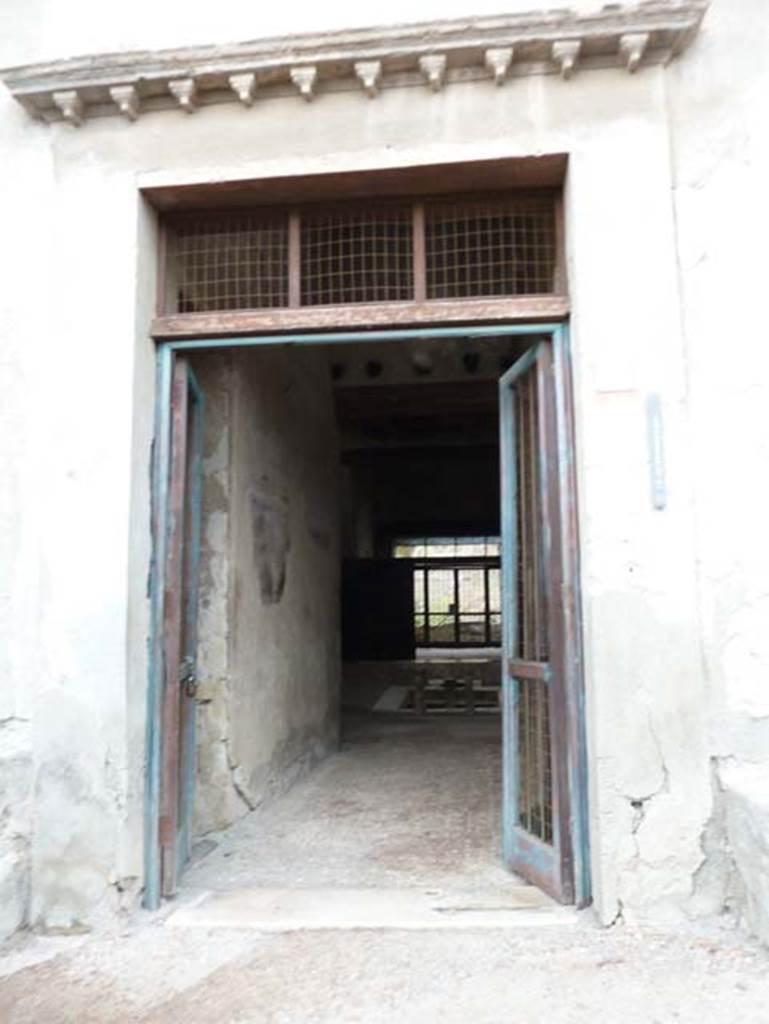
[406, 804]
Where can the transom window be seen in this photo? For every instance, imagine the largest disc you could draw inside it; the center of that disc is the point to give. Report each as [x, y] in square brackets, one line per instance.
[457, 601]
[494, 245]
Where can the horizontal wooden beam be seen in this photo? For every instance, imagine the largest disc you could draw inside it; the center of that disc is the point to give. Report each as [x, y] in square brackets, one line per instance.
[497, 174]
[529, 670]
[529, 309]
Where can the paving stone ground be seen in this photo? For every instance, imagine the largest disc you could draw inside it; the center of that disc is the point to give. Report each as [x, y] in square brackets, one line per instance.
[402, 805]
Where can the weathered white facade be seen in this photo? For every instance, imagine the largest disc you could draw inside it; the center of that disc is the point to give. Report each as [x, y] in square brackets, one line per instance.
[666, 216]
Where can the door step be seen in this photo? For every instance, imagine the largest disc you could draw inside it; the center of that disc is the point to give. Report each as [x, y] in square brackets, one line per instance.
[286, 910]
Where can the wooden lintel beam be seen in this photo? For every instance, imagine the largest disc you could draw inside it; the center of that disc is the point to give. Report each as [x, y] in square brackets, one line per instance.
[529, 309]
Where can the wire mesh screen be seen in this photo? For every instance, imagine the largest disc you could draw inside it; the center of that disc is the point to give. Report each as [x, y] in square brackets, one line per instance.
[534, 748]
[238, 261]
[357, 256]
[532, 597]
[535, 798]
[249, 259]
[490, 248]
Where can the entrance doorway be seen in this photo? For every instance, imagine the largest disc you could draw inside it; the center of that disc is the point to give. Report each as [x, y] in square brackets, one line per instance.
[514, 416]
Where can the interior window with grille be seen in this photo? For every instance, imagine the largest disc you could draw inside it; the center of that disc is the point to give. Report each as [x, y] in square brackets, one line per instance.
[457, 599]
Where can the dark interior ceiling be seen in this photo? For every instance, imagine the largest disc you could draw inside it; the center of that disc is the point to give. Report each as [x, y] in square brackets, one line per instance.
[422, 401]
[418, 415]
[428, 393]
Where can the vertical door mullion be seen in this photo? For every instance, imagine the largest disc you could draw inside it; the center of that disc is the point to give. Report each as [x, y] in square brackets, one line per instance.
[294, 259]
[550, 512]
[172, 629]
[486, 604]
[427, 605]
[576, 767]
[456, 605]
[510, 616]
[192, 558]
[418, 252]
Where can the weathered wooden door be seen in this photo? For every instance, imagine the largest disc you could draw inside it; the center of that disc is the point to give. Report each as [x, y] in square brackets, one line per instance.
[180, 614]
[543, 785]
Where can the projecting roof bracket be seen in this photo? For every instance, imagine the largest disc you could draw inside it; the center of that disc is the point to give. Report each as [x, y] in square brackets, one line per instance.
[433, 53]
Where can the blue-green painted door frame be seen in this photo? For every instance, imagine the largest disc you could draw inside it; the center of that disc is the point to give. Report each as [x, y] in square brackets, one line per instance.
[193, 502]
[177, 494]
[554, 335]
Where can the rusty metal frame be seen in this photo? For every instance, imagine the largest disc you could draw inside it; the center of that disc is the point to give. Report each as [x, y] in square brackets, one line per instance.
[170, 324]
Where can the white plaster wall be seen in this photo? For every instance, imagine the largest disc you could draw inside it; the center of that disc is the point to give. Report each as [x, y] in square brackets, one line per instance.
[75, 724]
[649, 787]
[89, 373]
[720, 146]
[22, 582]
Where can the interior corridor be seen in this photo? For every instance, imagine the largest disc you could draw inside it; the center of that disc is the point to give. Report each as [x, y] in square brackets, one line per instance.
[408, 808]
[350, 629]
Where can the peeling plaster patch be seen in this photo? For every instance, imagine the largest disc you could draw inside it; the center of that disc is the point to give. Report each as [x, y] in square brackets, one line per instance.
[71, 871]
[291, 761]
[639, 801]
[240, 781]
[746, 799]
[619, 917]
[15, 823]
[272, 542]
[716, 885]
[657, 848]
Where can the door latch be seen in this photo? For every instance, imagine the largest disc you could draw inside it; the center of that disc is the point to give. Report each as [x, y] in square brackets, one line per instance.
[188, 677]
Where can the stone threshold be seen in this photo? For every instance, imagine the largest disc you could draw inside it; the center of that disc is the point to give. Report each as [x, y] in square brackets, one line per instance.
[288, 910]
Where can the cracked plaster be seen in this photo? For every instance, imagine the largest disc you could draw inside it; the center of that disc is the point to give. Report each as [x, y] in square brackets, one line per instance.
[673, 600]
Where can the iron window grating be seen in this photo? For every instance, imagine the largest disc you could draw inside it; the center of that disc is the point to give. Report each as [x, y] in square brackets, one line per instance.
[535, 812]
[532, 640]
[235, 261]
[385, 251]
[351, 256]
[534, 749]
[490, 248]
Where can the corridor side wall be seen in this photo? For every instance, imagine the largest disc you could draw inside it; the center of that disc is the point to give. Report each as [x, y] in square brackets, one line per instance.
[269, 658]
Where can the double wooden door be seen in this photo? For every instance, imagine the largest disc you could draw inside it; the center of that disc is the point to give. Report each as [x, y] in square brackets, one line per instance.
[544, 785]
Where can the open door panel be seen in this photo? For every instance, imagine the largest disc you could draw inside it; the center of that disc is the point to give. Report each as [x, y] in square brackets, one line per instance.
[539, 801]
[180, 626]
